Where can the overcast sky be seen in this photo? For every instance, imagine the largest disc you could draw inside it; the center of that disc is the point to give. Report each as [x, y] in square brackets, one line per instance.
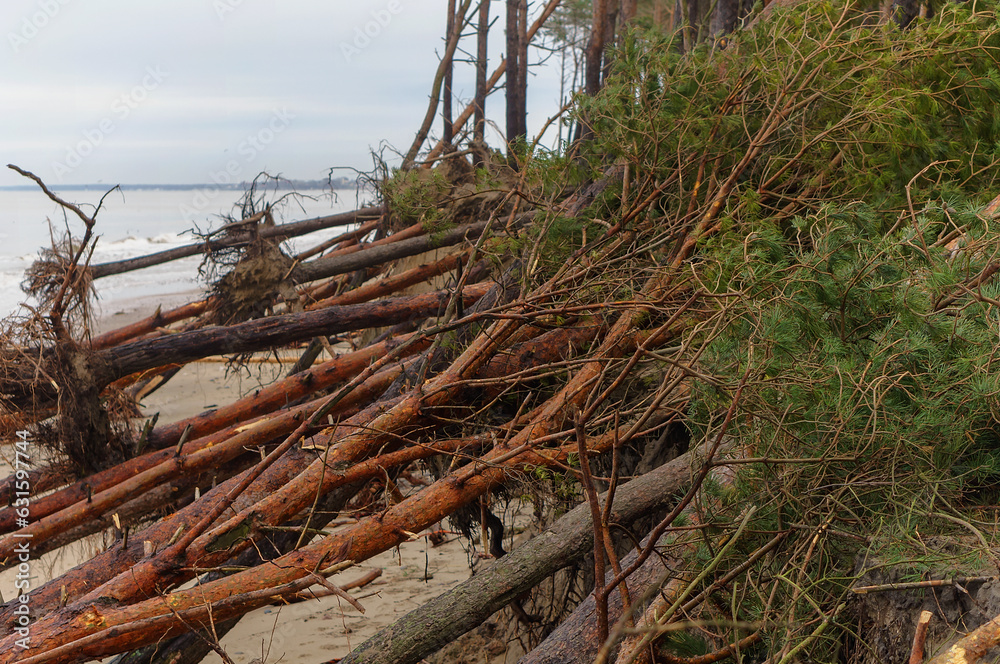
[118, 91]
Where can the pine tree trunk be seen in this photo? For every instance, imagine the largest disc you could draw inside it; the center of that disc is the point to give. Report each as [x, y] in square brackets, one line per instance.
[482, 42]
[515, 78]
[445, 618]
[727, 13]
[446, 112]
[595, 49]
[629, 9]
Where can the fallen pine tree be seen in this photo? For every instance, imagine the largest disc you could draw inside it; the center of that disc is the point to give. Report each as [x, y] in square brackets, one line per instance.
[767, 261]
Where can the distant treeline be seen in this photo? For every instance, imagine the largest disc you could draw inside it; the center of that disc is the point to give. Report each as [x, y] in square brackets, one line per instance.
[335, 183]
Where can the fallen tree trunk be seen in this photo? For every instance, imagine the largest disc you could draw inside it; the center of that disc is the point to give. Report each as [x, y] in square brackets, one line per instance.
[162, 319]
[191, 648]
[85, 501]
[119, 361]
[96, 571]
[448, 616]
[390, 285]
[150, 324]
[228, 424]
[124, 479]
[283, 231]
[81, 634]
[274, 331]
[378, 255]
[279, 394]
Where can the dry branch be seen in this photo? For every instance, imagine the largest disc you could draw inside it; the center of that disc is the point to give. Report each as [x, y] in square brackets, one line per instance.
[150, 324]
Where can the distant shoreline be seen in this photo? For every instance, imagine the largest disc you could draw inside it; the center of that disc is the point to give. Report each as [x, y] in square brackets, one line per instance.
[297, 185]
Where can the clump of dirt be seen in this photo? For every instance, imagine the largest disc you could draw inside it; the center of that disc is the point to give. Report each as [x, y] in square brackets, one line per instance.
[90, 437]
[483, 644]
[884, 621]
[254, 283]
[83, 430]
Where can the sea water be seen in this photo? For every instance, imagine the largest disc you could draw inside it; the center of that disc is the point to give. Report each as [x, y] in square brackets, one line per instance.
[136, 222]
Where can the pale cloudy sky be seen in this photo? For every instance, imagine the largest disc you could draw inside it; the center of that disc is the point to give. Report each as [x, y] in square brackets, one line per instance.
[118, 91]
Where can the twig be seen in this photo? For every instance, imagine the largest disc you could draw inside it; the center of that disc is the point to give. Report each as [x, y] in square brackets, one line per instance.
[917, 651]
[56, 312]
[930, 583]
[600, 530]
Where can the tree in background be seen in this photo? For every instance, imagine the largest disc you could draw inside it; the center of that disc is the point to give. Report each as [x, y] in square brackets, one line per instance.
[482, 56]
[448, 130]
[517, 74]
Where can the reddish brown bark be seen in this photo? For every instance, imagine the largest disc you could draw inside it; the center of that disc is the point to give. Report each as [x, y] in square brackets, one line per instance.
[363, 436]
[112, 629]
[971, 647]
[281, 393]
[390, 285]
[255, 335]
[515, 86]
[348, 239]
[595, 48]
[103, 566]
[370, 536]
[150, 324]
[108, 489]
[230, 420]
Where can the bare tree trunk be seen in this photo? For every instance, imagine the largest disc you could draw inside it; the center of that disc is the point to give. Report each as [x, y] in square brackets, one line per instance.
[482, 41]
[593, 65]
[629, 9]
[662, 17]
[727, 13]
[282, 231]
[595, 49]
[443, 619]
[446, 113]
[904, 11]
[688, 20]
[516, 68]
[443, 67]
[495, 77]
[610, 28]
[522, 63]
